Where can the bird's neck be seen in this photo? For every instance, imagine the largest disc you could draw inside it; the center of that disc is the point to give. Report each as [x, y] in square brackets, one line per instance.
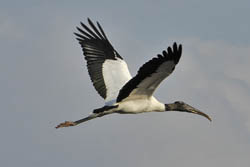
[171, 107]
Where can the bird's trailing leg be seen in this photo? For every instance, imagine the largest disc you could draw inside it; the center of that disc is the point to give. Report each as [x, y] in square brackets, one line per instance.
[70, 123]
[66, 124]
[91, 116]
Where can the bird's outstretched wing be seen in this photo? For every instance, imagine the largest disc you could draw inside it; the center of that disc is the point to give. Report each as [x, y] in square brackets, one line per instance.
[107, 69]
[151, 74]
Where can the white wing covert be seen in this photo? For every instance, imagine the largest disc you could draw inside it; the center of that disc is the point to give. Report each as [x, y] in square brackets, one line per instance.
[107, 69]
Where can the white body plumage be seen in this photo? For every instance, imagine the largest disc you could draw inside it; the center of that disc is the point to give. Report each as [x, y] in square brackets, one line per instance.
[136, 106]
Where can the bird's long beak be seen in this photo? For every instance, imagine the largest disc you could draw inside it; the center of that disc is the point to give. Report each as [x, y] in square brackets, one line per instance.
[193, 110]
[201, 113]
[183, 107]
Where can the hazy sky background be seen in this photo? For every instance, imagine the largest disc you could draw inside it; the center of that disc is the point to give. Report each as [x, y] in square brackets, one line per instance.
[44, 81]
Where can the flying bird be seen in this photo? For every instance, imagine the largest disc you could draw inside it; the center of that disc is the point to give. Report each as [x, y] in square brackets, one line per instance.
[111, 78]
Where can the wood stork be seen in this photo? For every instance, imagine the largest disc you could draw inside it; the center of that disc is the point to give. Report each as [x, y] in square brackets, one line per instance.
[111, 78]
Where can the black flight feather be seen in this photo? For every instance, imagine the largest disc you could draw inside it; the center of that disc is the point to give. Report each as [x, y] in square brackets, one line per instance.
[149, 68]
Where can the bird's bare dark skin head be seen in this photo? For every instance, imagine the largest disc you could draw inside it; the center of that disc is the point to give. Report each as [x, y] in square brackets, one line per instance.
[183, 107]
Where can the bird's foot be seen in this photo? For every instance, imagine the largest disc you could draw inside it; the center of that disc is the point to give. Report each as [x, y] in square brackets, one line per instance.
[65, 124]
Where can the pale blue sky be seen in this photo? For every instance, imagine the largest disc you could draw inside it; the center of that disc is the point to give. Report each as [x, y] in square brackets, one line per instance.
[44, 81]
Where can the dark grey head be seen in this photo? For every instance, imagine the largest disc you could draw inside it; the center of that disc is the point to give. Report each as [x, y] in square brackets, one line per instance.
[183, 107]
